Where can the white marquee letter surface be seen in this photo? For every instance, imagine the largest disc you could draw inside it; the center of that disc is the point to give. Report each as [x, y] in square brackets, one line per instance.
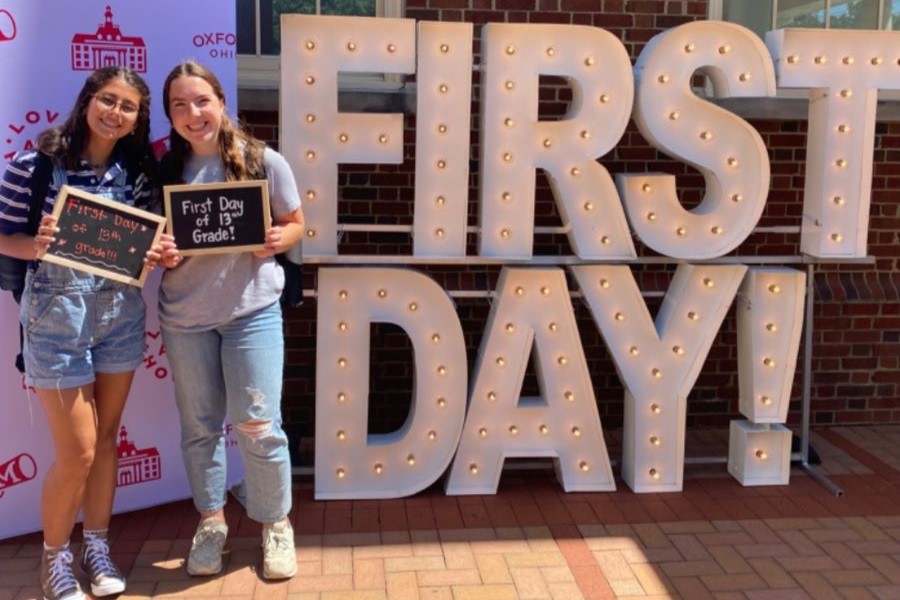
[514, 142]
[727, 151]
[443, 113]
[350, 463]
[532, 320]
[844, 71]
[759, 454]
[769, 324]
[315, 137]
[770, 317]
[531, 312]
[657, 364]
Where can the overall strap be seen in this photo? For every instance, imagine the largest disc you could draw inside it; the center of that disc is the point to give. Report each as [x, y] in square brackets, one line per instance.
[59, 176]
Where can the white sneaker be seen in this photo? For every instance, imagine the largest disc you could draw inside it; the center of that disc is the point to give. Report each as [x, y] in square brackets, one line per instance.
[206, 548]
[279, 556]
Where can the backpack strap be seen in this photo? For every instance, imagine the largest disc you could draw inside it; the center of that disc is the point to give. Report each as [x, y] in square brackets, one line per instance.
[40, 185]
[43, 173]
[291, 261]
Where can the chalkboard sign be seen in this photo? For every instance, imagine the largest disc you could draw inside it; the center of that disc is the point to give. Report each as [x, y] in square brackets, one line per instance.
[210, 218]
[102, 237]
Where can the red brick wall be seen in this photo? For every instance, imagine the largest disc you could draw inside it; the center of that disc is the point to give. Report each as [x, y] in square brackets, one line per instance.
[856, 342]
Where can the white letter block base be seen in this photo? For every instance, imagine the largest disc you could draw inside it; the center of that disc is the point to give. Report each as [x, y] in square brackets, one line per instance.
[759, 454]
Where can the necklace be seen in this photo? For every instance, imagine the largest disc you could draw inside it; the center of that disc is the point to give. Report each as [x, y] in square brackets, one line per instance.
[100, 166]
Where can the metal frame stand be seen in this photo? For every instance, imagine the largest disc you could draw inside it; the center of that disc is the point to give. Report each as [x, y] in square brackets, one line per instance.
[816, 474]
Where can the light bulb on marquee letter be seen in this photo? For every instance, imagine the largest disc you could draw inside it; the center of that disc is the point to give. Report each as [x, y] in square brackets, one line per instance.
[843, 94]
[656, 400]
[410, 459]
[563, 422]
[514, 143]
[314, 49]
[442, 134]
[670, 115]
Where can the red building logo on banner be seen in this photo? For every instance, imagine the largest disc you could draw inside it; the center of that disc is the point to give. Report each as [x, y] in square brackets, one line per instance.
[108, 47]
[20, 469]
[136, 465]
[7, 26]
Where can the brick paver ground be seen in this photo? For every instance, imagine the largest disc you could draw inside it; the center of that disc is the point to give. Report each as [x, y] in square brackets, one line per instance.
[714, 540]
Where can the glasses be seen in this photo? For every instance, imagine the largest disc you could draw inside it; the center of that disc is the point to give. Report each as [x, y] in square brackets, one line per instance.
[110, 102]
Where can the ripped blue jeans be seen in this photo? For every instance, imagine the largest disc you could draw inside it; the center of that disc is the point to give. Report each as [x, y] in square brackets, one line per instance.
[235, 368]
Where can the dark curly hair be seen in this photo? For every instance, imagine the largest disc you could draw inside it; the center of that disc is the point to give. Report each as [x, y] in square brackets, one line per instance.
[66, 143]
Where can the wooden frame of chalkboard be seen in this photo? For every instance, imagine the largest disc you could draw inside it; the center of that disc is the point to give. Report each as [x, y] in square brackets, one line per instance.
[215, 218]
[103, 237]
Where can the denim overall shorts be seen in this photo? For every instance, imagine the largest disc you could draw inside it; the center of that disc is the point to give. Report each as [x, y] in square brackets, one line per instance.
[77, 324]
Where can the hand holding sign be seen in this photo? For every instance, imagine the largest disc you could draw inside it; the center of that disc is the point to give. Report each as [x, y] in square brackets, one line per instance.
[219, 217]
[45, 235]
[164, 252]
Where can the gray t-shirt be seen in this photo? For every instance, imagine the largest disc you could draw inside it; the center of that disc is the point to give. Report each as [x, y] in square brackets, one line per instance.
[208, 290]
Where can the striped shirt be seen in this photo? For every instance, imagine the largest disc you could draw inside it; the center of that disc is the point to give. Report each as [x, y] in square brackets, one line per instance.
[15, 188]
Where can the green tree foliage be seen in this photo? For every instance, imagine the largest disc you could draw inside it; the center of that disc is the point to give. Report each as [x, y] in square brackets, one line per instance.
[856, 17]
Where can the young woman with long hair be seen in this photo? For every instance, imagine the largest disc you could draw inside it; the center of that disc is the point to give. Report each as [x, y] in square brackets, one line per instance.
[222, 325]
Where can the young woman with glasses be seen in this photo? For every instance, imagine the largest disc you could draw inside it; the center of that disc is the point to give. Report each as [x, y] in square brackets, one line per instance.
[84, 335]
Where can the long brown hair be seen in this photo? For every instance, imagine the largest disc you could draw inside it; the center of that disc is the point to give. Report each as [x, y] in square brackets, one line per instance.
[66, 143]
[241, 153]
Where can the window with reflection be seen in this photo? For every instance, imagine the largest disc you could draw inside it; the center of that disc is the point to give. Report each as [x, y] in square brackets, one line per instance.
[765, 15]
[259, 21]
